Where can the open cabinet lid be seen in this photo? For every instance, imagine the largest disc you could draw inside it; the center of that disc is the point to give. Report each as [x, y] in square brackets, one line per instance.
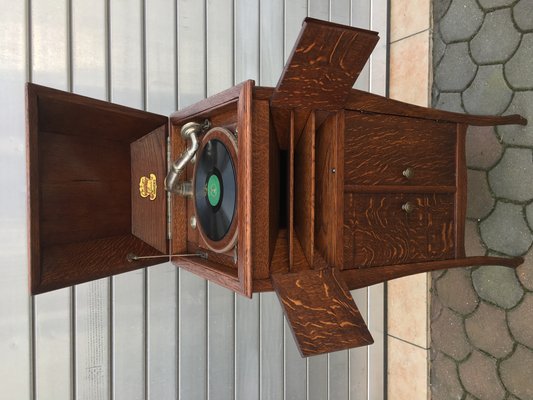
[321, 311]
[88, 205]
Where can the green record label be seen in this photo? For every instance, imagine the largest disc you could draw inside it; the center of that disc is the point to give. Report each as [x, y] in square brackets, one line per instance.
[213, 190]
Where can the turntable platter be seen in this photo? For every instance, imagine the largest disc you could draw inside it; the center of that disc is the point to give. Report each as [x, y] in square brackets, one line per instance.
[215, 188]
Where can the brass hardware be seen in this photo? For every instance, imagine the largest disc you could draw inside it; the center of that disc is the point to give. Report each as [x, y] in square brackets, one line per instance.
[148, 186]
[408, 173]
[408, 207]
[192, 221]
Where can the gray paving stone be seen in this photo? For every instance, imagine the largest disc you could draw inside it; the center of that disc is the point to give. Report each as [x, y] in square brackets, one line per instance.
[525, 271]
[479, 199]
[473, 243]
[521, 135]
[512, 178]
[505, 230]
[479, 377]
[434, 94]
[438, 48]
[498, 285]
[516, 373]
[436, 306]
[521, 321]
[437, 274]
[523, 14]
[483, 147]
[487, 330]
[489, 4]
[488, 93]
[445, 384]
[461, 21]
[456, 69]
[448, 335]
[450, 102]
[497, 39]
[529, 215]
[518, 69]
[456, 292]
[439, 8]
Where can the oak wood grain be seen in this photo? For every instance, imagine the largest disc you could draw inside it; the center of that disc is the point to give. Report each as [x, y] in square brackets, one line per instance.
[299, 260]
[327, 201]
[304, 189]
[72, 114]
[209, 107]
[323, 66]
[79, 187]
[244, 182]
[321, 311]
[231, 109]
[364, 101]
[379, 148]
[149, 217]
[212, 271]
[73, 263]
[377, 231]
[461, 194]
[280, 258]
[274, 188]
[33, 178]
[364, 277]
[398, 189]
[84, 188]
[265, 215]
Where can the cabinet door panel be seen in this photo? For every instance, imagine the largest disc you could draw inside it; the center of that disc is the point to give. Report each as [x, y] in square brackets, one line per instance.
[379, 231]
[379, 148]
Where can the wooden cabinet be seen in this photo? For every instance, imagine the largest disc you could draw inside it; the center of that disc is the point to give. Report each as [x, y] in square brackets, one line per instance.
[335, 189]
[401, 190]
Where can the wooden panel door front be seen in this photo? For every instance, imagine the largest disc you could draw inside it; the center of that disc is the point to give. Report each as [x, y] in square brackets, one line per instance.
[388, 229]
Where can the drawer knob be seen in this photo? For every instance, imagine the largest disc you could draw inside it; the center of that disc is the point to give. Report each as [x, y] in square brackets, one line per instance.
[408, 173]
[408, 207]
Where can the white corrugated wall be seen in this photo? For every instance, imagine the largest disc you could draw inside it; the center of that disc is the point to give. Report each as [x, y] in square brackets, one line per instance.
[159, 333]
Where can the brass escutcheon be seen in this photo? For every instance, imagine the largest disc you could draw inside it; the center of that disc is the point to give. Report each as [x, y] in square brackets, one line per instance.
[148, 186]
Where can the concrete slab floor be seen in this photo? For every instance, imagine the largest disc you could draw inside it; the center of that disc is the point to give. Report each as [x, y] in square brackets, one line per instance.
[482, 336]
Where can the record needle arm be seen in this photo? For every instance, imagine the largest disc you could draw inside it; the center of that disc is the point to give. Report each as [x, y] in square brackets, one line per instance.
[189, 131]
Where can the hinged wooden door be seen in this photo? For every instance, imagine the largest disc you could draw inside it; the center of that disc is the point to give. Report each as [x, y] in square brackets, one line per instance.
[95, 188]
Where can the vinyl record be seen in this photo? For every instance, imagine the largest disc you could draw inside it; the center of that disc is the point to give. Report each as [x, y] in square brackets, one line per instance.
[215, 187]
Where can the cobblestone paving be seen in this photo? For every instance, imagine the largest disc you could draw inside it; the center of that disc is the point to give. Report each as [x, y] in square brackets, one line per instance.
[482, 318]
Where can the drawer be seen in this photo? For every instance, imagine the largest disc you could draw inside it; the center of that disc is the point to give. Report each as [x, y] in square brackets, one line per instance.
[387, 229]
[383, 149]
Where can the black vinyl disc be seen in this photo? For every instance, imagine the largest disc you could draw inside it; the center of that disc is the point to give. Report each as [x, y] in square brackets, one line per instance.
[215, 190]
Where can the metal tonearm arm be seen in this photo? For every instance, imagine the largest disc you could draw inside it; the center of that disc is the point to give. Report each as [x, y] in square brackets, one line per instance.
[189, 131]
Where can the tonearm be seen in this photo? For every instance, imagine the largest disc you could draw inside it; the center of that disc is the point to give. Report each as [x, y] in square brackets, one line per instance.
[189, 131]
